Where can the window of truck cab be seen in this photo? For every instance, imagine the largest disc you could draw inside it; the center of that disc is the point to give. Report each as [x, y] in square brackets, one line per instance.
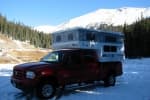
[52, 57]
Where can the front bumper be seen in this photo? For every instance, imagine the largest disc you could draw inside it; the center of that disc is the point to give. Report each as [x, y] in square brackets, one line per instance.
[24, 84]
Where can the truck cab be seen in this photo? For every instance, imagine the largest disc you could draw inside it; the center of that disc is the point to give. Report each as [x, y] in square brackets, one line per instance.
[64, 67]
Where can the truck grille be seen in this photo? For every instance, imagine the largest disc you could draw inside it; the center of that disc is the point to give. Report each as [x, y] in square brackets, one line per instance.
[18, 74]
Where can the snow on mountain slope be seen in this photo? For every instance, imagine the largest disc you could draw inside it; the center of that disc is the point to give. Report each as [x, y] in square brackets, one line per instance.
[45, 28]
[108, 16]
[115, 17]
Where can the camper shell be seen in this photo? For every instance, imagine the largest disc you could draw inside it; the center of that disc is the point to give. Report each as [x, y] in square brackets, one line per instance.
[110, 45]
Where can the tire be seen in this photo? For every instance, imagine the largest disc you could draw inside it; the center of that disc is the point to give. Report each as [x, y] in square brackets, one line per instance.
[46, 90]
[110, 81]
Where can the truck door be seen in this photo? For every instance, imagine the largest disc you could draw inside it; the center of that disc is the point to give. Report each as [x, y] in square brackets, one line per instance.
[74, 65]
[72, 68]
[92, 69]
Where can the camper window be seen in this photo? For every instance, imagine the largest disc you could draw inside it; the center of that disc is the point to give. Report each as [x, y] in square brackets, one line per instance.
[90, 37]
[120, 40]
[110, 49]
[58, 38]
[110, 39]
[70, 37]
[82, 36]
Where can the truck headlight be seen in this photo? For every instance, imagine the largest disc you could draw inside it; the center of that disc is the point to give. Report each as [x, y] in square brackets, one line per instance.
[30, 75]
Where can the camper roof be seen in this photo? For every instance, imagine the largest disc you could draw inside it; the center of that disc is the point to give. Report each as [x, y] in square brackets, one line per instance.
[86, 29]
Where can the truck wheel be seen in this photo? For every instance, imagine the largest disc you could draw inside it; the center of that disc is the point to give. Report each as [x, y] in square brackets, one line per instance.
[46, 90]
[110, 81]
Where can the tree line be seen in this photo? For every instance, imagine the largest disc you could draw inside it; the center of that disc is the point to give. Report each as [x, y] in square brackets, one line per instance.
[137, 37]
[19, 31]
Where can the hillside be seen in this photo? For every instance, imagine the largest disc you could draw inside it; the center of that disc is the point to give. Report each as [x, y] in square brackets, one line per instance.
[8, 43]
[14, 51]
[21, 32]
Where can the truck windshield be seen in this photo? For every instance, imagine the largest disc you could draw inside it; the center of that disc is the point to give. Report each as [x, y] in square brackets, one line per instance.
[51, 57]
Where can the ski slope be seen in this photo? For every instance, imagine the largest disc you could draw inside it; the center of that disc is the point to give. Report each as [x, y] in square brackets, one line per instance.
[134, 84]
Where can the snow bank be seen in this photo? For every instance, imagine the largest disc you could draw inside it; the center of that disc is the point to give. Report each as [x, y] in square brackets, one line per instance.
[6, 69]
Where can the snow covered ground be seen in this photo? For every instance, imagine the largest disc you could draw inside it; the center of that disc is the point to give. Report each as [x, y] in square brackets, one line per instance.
[134, 84]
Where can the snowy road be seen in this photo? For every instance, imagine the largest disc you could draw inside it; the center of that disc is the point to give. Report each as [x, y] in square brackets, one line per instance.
[134, 84]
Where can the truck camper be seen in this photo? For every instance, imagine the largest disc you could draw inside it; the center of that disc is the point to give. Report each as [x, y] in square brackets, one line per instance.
[110, 45]
[80, 56]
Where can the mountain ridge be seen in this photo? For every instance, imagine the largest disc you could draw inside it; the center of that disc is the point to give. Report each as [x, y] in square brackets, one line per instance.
[113, 17]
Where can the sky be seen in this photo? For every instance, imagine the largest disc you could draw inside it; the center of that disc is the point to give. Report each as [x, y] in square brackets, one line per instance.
[54, 12]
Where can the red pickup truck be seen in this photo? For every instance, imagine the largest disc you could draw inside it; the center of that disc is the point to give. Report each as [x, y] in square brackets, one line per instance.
[64, 67]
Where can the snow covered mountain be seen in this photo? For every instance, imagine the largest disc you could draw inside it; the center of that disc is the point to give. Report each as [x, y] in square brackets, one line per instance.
[115, 17]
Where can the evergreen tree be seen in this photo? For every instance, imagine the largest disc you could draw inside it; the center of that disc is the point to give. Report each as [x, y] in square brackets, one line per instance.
[21, 32]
